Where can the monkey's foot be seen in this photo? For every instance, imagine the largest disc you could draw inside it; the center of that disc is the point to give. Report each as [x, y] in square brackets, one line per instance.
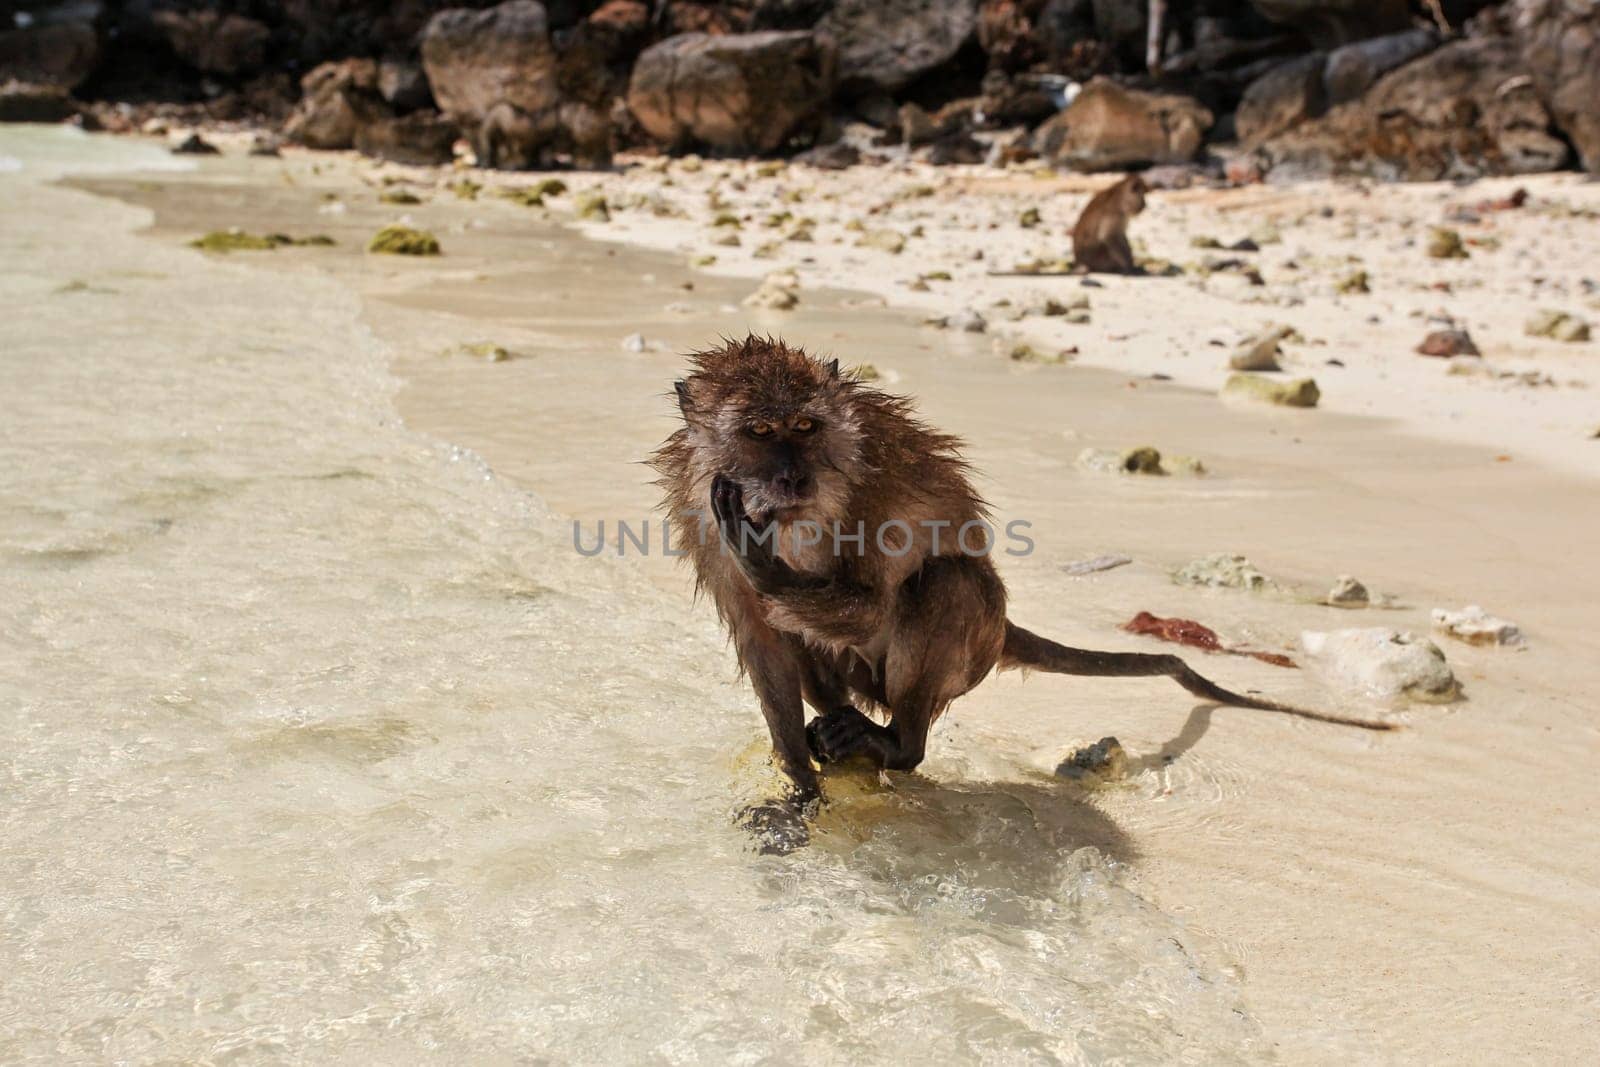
[779, 826]
[840, 734]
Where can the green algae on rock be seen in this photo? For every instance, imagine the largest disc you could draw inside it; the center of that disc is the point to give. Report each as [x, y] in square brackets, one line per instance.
[593, 206]
[404, 241]
[1295, 393]
[221, 241]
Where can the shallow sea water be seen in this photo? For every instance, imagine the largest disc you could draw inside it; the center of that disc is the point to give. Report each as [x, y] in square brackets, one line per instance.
[318, 743]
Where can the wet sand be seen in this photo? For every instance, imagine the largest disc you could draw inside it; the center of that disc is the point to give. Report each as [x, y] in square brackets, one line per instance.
[1430, 894]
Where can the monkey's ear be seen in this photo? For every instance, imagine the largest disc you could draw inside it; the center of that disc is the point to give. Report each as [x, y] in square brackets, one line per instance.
[685, 405]
[833, 368]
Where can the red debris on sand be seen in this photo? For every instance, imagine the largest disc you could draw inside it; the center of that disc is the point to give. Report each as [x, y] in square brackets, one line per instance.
[1195, 635]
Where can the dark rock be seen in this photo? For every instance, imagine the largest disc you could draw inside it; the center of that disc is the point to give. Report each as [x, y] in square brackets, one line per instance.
[1560, 44]
[1465, 110]
[337, 99]
[1282, 99]
[1354, 68]
[1448, 343]
[956, 148]
[265, 144]
[403, 84]
[477, 59]
[837, 156]
[212, 42]
[195, 145]
[748, 92]
[886, 44]
[20, 102]
[1103, 761]
[58, 47]
[1330, 23]
[422, 138]
[788, 14]
[1111, 127]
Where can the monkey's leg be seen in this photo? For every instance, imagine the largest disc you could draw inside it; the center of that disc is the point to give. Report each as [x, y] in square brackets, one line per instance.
[775, 673]
[1029, 651]
[948, 629]
[1121, 255]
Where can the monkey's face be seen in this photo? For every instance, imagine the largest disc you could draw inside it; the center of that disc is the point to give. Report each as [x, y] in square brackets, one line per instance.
[788, 461]
[1133, 196]
[784, 426]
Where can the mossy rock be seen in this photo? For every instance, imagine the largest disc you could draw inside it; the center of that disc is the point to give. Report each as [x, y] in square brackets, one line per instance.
[398, 196]
[466, 189]
[404, 241]
[1295, 393]
[1029, 218]
[487, 351]
[593, 206]
[1359, 282]
[526, 195]
[239, 241]
[884, 240]
[1445, 243]
[549, 187]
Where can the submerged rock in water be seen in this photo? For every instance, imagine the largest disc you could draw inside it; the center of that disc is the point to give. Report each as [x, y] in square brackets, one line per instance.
[1296, 393]
[1096, 564]
[404, 241]
[1104, 761]
[239, 241]
[487, 351]
[1476, 627]
[1347, 592]
[1223, 571]
[1383, 663]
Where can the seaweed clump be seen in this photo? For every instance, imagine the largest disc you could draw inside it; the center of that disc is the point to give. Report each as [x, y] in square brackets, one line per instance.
[404, 241]
[239, 241]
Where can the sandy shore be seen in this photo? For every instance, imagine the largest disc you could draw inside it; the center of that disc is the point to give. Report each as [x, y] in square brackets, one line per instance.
[1427, 895]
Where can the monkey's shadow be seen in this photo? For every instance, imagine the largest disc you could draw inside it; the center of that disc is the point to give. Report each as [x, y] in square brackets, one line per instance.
[1016, 838]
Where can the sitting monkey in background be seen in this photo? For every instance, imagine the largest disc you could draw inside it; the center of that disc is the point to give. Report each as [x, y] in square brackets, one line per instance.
[1100, 239]
[845, 565]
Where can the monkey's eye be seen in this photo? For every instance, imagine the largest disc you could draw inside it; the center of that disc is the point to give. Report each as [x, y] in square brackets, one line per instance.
[804, 425]
[759, 429]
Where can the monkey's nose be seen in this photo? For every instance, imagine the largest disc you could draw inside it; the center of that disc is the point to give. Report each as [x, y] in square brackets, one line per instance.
[792, 484]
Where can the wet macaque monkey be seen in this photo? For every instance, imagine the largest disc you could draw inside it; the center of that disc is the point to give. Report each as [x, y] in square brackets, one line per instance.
[847, 553]
[1100, 239]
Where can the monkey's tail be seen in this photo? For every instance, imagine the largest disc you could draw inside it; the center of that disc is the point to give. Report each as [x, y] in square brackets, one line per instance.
[1029, 651]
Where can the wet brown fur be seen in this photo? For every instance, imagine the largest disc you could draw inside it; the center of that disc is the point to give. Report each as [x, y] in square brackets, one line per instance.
[1100, 239]
[900, 636]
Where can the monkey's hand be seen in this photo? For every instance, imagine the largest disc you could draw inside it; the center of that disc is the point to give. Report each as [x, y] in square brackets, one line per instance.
[754, 549]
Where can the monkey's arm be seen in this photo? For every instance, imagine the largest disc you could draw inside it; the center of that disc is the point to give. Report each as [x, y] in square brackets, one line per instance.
[830, 605]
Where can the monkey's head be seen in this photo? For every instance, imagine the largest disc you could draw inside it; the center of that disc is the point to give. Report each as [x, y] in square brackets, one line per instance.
[778, 422]
[1133, 190]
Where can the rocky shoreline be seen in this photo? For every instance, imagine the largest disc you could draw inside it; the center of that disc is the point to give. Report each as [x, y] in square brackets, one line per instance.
[1229, 91]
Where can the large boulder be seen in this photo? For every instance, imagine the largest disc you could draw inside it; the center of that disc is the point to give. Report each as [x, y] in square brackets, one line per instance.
[749, 92]
[55, 45]
[886, 44]
[1331, 23]
[477, 59]
[1306, 86]
[1354, 68]
[1282, 99]
[1560, 41]
[336, 101]
[1465, 110]
[1109, 127]
[212, 42]
[422, 138]
[20, 102]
